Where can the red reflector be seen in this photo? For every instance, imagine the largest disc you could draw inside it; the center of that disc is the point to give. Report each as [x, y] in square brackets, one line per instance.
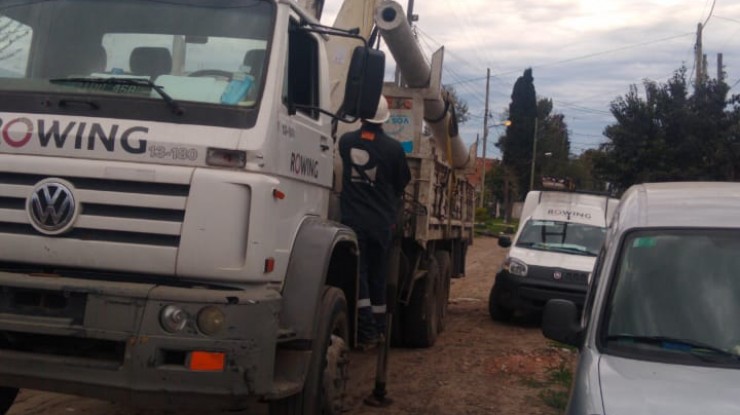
[207, 361]
[277, 194]
[269, 264]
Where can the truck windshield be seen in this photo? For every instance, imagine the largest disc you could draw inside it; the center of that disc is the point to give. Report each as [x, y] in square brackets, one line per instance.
[567, 237]
[197, 51]
[677, 294]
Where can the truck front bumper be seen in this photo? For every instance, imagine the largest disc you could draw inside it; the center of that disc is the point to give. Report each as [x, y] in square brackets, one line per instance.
[104, 340]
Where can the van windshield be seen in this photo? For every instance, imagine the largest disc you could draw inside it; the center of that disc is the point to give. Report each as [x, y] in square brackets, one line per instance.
[192, 49]
[567, 237]
[677, 293]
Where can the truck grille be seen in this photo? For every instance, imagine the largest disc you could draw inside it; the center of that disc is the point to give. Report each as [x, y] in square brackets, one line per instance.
[558, 275]
[80, 349]
[122, 211]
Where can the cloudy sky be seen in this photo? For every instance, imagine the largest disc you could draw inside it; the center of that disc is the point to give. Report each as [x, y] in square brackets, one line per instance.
[584, 53]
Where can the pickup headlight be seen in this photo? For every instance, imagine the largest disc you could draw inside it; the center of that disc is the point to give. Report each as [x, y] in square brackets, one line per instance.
[515, 267]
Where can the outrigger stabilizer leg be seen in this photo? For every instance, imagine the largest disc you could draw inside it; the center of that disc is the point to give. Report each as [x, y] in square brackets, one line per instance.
[379, 397]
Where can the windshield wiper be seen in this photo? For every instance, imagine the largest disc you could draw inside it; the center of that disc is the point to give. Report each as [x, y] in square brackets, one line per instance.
[176, 108]
[687, 345]
[572, 250]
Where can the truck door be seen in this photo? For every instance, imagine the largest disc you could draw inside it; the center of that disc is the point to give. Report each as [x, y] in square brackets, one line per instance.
[311, 149]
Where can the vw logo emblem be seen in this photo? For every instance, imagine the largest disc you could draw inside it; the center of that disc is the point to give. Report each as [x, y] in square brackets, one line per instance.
[557, 275]
[52, 207]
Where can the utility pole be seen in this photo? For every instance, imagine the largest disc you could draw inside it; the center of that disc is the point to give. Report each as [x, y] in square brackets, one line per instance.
[534, 154]
[720, 68]
[699, 56]
[485, 140]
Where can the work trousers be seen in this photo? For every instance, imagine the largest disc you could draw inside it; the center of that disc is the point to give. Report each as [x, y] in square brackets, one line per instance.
[374, 250]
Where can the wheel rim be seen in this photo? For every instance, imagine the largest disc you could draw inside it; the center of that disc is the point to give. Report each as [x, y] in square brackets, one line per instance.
[336, 374]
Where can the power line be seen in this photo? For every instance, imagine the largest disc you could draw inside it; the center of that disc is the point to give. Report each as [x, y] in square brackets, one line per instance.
[734, 85]
[591, 55]
[582, 108]
[727, 18]
[714, 2]
[614, 50]
[448, 69]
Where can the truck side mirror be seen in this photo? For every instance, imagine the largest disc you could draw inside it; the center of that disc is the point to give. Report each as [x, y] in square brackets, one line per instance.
[364, 82]
[504, 241]
[561, 322]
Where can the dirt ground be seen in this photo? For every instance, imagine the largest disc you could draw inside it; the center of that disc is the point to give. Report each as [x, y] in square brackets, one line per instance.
[476, 367]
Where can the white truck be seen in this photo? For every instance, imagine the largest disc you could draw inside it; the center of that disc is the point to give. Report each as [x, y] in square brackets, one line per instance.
[167, 177]
[553, 251]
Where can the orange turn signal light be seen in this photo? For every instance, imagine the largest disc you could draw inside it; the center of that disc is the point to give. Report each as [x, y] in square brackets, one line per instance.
[207, 361]
[269, 264]
[278, 194]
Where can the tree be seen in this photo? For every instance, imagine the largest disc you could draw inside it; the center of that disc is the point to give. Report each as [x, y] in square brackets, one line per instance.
[516, 143]
[553, 142]
[670, 135]
[461, 107]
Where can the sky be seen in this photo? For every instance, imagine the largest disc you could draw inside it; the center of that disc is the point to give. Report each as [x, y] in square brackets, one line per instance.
[583, 53]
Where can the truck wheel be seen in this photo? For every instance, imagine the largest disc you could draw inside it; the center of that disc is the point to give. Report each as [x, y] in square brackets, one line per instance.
[326, 381]
[498, 312]
[7, 396]
[443, 286]
[420, 316]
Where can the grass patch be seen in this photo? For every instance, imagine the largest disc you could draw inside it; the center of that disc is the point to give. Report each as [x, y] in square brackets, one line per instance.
[554, 390]
[555, 399]
[496, 227]
[560, 375]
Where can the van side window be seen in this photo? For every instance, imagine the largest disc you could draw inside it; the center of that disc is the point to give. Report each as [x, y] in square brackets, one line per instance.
[303, 70]
[592, 286]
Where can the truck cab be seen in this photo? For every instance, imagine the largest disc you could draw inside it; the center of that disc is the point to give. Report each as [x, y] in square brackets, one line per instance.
[553, 251]
[165, 177]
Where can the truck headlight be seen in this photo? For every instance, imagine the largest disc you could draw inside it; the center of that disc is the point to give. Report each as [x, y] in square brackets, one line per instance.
[211, 320]
[515, 267]
[173, 319]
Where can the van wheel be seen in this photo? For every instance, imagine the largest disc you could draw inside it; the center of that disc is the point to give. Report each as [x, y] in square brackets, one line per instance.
[7, 396]
[495, 309]
[420, 315]
[443, 286]
[326, 382]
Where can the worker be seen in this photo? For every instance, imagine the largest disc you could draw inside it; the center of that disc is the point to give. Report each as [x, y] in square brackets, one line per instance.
[374, 176]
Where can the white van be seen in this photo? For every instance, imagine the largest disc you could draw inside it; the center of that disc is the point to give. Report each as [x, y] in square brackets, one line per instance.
[554, 249]
[659, 333]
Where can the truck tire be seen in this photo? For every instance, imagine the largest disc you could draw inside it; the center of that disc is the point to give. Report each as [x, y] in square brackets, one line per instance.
[420, 315]
[495, 309]
[443, 288]
[326, 380]
[7, 396]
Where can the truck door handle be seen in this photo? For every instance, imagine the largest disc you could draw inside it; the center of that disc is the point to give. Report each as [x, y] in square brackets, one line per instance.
[324, 146]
